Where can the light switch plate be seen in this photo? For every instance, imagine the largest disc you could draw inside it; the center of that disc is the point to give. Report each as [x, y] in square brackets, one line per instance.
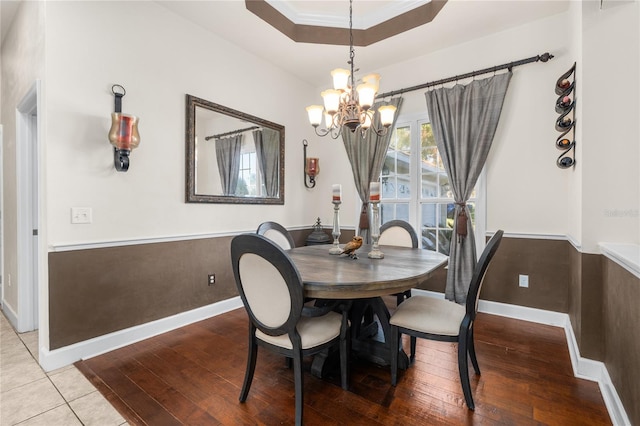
[81, 215]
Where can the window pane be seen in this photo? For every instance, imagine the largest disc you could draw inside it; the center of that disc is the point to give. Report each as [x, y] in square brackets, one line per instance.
[403, 139]
[402, 212]
[429, 239]
[446, 215]
[444, 241]
[429, 215]
[445, 186]
[386, 212]
[426, 136]
[429, 158]
[429, 185]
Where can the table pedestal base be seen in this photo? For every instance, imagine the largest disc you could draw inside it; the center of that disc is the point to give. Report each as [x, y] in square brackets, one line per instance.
[370, 338]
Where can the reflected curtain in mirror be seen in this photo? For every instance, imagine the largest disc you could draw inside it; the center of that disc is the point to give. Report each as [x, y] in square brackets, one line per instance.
[228, 157]
[266, 141]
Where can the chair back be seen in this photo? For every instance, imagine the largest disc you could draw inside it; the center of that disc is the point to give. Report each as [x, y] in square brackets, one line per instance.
[398, 233]
[268, 282]
[479, 272]
[276, 233]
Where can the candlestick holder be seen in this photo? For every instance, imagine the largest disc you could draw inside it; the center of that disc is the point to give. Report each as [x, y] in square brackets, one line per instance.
[375, 252]
[336, 228]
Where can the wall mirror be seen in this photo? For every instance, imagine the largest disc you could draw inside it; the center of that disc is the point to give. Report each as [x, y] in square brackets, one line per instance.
[232, 157]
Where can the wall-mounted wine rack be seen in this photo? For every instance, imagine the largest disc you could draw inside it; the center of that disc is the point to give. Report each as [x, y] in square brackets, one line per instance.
[566, 122]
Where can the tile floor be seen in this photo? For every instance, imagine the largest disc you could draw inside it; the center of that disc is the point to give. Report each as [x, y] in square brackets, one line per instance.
[29, 396]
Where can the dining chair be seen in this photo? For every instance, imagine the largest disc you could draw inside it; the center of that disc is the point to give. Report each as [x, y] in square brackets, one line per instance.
[438, 319]
[398, 233]
[272, 293]
[276, 233]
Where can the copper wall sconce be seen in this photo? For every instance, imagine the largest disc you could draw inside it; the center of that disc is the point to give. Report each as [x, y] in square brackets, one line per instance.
[311, 167]
[123, 134]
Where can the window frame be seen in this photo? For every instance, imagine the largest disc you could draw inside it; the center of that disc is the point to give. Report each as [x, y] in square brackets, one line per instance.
[415, 201]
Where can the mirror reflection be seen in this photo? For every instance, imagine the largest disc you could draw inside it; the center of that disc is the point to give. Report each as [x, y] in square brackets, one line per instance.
[232, 157]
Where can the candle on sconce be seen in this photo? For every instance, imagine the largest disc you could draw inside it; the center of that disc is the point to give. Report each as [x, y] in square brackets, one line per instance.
[374, 191]
[336, 192]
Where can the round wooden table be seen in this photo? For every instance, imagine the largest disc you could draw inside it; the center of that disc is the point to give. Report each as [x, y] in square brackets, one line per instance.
[364, 281]
[331, 276]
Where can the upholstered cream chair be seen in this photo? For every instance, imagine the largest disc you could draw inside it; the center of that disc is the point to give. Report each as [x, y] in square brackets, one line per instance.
[438, 319]
[272, 293]
[276, 233]
[398, 233]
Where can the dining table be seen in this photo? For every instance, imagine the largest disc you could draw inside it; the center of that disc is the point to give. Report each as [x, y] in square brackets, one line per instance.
[363, 281]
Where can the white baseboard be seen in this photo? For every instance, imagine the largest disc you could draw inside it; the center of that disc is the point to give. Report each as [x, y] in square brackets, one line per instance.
[582, 367]
[10, 314]
[58, 358]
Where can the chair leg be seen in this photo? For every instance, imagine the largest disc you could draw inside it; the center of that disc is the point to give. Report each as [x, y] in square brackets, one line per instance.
[395, 337]
[472, 352]
[413, 349]
[463, 368]
[297, 379]
[251, 365]
[399, 298]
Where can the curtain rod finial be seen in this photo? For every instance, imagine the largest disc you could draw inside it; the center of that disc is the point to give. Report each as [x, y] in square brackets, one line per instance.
[545, 57]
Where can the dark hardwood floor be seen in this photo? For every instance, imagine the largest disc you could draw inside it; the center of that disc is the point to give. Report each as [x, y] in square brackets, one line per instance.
[193, 375]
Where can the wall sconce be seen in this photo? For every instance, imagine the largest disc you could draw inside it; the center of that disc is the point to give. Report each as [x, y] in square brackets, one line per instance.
[311, 167]
[123, 134]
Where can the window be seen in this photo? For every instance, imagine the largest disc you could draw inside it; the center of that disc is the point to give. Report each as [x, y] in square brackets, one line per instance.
[415, 187]
[247, 178]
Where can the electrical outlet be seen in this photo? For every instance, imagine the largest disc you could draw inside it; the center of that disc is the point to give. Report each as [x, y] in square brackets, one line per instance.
[211, 279]
[523, 280]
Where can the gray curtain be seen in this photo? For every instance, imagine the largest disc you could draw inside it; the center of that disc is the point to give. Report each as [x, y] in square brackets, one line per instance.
[464, 121]
[228, 157]
[366, 156]
[268, 154]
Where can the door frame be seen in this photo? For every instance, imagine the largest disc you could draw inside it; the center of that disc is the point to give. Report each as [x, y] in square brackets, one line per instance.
[28, 212]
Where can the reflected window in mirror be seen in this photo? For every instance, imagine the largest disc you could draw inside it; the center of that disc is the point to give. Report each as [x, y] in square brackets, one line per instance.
[232, 157]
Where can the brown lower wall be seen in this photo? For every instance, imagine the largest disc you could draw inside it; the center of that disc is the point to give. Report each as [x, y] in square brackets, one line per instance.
[98, 291]
[621, 311]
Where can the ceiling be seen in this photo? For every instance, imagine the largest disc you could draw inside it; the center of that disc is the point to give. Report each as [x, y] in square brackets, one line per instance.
[458, 21]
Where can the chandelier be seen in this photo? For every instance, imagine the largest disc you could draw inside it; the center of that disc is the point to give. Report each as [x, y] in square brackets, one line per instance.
[348, 105]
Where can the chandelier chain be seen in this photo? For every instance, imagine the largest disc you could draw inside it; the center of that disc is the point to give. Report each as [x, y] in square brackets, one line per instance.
[352, 52]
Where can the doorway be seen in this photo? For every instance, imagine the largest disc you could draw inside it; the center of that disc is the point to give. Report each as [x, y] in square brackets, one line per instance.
[27, 140]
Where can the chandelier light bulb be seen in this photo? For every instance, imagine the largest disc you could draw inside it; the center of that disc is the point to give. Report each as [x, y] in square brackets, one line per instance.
[386, 114]
[340, 79]
[372, 79]
[315, 114]
[366, 95]
[331, 100]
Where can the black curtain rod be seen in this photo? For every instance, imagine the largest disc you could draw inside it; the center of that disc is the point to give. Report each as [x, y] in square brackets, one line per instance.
[233, 132]
[544, 58]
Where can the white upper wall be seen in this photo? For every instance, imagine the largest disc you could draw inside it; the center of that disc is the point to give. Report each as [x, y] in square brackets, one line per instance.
[610, 105]
[158, 57]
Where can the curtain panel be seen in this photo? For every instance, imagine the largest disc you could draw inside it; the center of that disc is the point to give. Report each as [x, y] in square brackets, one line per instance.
[366, 156]
[464, 119]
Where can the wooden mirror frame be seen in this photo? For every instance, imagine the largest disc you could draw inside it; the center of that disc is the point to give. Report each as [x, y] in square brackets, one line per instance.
[190, 131]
